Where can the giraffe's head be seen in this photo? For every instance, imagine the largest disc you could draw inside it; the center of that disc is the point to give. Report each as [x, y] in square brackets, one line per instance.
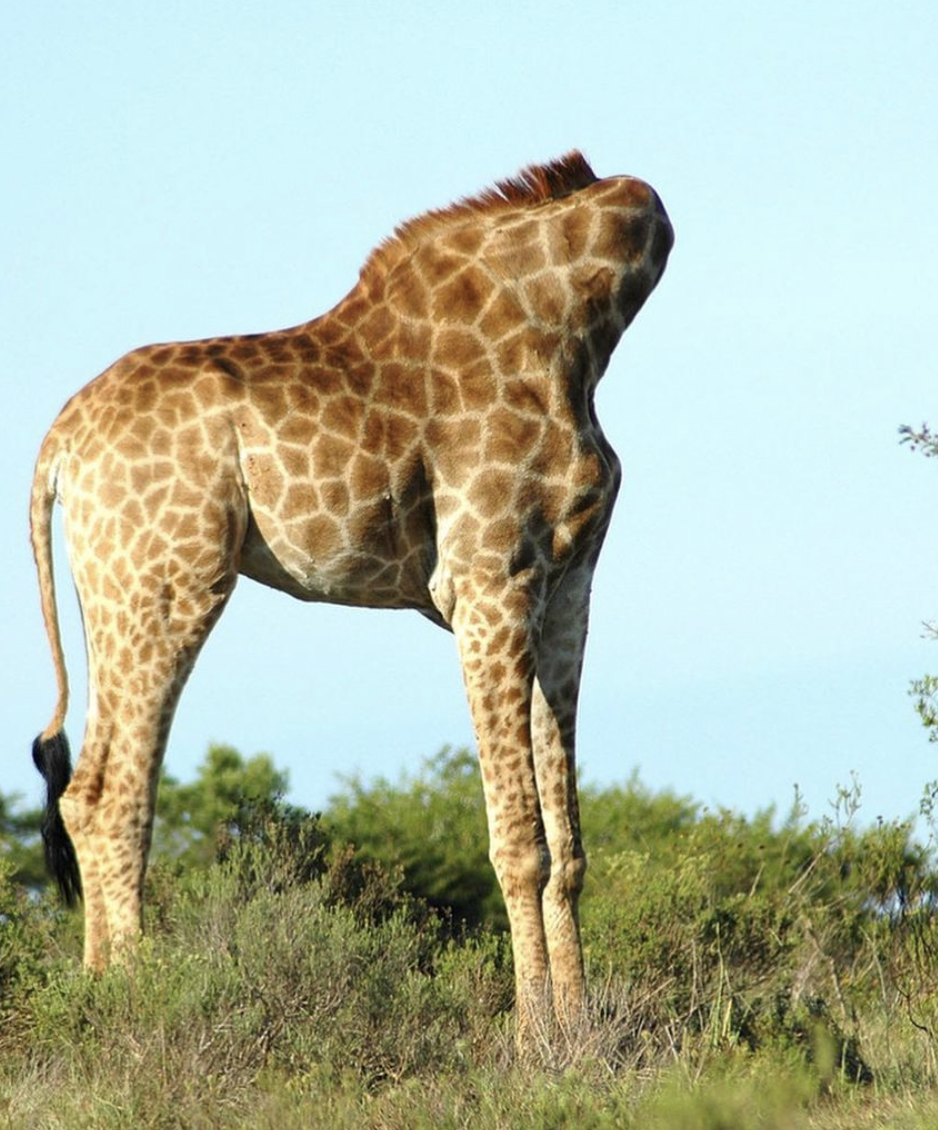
[555, 253]
[609, 244]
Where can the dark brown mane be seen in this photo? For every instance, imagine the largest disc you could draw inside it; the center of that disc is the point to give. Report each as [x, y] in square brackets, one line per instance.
[536, 184]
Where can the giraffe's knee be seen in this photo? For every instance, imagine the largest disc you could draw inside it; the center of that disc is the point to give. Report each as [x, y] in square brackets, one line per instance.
[521, 868]
[76, 812]
[566, 878]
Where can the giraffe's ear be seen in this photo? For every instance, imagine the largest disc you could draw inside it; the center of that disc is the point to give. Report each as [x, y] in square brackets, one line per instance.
[594, 282]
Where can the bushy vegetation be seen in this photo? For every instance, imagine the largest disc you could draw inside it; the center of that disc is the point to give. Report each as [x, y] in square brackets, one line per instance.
[352, 970]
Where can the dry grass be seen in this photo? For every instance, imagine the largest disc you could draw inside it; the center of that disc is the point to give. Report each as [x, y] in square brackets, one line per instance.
[275, 994]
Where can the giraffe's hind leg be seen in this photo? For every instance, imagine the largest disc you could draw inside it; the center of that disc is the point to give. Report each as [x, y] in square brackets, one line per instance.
[145, 623]
[108, 809]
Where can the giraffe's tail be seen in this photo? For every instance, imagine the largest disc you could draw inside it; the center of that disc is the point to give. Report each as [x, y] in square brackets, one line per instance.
[51, 757]
[50, 750]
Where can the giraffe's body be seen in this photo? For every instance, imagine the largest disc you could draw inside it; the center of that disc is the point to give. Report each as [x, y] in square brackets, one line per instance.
[429, 443]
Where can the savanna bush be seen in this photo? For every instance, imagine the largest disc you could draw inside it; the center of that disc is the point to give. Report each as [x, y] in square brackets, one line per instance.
[430, 828]
[738, 932]
[282, 960]
[303, 977]
[29, 953]
[705, 928]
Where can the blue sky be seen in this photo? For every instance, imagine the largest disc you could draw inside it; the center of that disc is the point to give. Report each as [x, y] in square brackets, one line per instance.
[176, 171]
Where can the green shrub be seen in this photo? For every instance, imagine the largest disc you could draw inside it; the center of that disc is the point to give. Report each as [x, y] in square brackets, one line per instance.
[744, 972]
[431, 828]
[266, 963]
[28, 926]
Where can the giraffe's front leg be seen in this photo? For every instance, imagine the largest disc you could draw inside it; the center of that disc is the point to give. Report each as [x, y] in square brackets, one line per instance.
[553, 730]
[491, 623]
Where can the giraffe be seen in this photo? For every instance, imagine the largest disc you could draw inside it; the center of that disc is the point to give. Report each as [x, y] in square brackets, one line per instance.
[429, 443]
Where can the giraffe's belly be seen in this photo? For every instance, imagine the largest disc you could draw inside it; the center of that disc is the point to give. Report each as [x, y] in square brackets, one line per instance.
[378, 557]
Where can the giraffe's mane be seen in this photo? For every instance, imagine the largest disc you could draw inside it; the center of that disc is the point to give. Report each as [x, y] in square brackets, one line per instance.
[535, 184]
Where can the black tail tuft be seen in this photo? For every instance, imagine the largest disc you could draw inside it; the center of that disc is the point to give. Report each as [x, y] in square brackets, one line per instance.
[53, 760]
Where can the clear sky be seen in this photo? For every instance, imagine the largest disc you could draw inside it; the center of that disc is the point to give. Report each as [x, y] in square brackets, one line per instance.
[180, 170]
